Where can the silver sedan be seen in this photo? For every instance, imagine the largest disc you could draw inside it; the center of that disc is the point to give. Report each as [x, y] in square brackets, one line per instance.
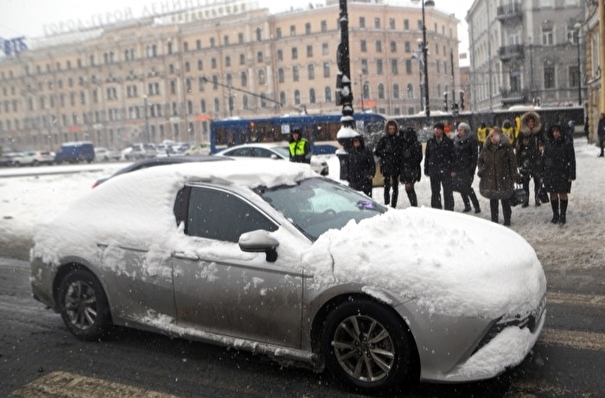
[293, 265]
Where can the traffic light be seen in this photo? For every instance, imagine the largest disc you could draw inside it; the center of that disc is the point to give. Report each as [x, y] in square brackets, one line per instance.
[445, 101]
[461, 100]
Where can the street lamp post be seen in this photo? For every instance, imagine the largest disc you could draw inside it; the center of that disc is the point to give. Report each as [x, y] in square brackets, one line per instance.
[577, 28]
[425, 50]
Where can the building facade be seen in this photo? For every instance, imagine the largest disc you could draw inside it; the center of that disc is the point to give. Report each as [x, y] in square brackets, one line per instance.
[592, 36]
[168, 77]
[526, 52]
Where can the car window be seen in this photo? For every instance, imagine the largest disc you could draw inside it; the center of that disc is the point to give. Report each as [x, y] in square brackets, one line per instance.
[284, 151]
[219, 215]
[240, 152]
[263, 153]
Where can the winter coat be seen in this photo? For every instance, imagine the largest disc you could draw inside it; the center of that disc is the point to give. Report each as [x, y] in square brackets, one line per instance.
[601, 128]
[497, 169]
[439, 157]
[388, 149]
[361, 168]
[411, 157]
[558, 164]
[530, 158]
[465, 164]
[300, 151]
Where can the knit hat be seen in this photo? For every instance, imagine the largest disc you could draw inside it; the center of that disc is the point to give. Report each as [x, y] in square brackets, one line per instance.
[464, 126]
[439, 126]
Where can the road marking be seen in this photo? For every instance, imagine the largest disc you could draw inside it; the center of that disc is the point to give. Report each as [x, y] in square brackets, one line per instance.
[573, 339]
[70, 385]
[584, 300]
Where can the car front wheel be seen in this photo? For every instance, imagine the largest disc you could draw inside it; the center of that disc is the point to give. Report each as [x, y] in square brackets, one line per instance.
[368, 348]
[84, 306]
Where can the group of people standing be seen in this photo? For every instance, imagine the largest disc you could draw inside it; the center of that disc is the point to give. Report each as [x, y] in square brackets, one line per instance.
[500, 156]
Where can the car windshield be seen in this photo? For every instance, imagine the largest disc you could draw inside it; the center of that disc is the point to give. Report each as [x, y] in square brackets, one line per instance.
[316, 205]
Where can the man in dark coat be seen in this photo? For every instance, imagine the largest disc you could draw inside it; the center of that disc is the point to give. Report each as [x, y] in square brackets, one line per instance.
[361, 167]
[300, 150]
[601, 133]
[388, 150]
[465, 147]
[411, 157]
[559, 170]
[438, 166]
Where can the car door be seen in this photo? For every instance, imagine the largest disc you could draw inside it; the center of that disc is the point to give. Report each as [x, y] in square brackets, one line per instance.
[222, 290]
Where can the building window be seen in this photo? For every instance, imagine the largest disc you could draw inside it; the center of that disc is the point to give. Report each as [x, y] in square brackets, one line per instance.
[242, 59]
[280, 75]
[307, 28]
[363, 46]
[227, 61]
[312, 98]
[282, 98]
[392, 24]
[294, 53]
[381, 91]
[213, 63]
[324, 26]
[408, 47]
[198, 44]
[259, 57]
[378, 46]
[201, 82]
[172, 87]
[261, 77]
[203, 106]
[244, 79]
[292, 30]
[410, 91]
[393, 46]
[187, 67]
[325, 49]
[376, 23]
[212, 42]
[259, 34]
[408, 66]
[185, 46]
[311, 71]
[547, 36]
[295, 73]
[309, 51]
[549, 76]
[396, 91]
[362, 22]
[406, 24]
[278, 33]
[326, 69]
[379, 67]
[240, 38]
[328, 94]
[169, 48]
[296, 97]
[394, 69]
[364, 66]
[226, 40]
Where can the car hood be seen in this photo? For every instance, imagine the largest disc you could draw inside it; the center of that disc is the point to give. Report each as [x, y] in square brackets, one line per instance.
[451, 264]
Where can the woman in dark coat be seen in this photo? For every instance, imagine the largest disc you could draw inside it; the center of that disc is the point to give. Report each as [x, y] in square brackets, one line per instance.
[558, 170]
[411, 158]
[529, 146]
[498, 172]
[388, 149]
[361, 167]
[465, 147]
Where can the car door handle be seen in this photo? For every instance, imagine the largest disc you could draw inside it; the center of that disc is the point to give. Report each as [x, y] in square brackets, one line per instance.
[186, 256]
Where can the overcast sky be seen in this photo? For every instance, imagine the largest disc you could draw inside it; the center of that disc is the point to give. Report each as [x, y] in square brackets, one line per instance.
[31, 18]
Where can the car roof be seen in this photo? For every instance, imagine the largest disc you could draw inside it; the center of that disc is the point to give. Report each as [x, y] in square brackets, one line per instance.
[168, 160]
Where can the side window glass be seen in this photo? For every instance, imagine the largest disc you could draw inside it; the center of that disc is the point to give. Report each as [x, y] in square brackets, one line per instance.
[240, 152]
[219, 215]
[263, 153]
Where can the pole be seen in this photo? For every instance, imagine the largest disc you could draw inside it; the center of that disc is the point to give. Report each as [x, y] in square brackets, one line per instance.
[343, 79]
[361, 92]
[579, 70]
[146, 134]
[425, 54]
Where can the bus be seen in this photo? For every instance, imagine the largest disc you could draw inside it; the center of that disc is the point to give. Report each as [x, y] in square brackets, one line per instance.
[318, 129]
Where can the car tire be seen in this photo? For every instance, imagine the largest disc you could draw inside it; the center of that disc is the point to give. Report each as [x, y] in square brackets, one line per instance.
[83, 305]
[379, 356]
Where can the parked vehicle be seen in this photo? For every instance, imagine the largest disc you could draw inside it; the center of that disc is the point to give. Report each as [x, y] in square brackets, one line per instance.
[139, 151]
[284, 262]
[199, 149]
[105, 155]
[76, 152]
[34, 158]
[8, 159]
[273, 151]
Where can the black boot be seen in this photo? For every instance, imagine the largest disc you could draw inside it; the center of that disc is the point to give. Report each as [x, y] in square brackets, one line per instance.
[394, 199]
[555, 211]
[493, 206]
[562, 216]
[413, 198]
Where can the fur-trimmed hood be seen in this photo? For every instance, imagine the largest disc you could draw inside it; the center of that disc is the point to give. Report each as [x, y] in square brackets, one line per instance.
[525, 129]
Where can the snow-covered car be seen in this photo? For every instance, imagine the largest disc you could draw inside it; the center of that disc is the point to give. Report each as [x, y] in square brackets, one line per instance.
[8, 159]
[283, 262]
[199, 149]
[106, 155]
[273, 151]
[34, 158]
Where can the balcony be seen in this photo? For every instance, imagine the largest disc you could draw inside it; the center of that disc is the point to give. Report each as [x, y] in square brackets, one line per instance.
[511, 97]
[509, 53]
[510, 13]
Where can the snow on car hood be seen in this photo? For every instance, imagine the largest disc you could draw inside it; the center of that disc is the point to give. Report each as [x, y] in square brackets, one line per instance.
[451, 263]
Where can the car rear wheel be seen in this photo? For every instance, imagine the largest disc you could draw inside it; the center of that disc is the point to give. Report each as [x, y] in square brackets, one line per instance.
[84, 306]
[367, 347]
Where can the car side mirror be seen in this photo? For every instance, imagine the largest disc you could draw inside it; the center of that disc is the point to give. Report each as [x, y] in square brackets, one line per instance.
[259, 241]
[274, 156]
